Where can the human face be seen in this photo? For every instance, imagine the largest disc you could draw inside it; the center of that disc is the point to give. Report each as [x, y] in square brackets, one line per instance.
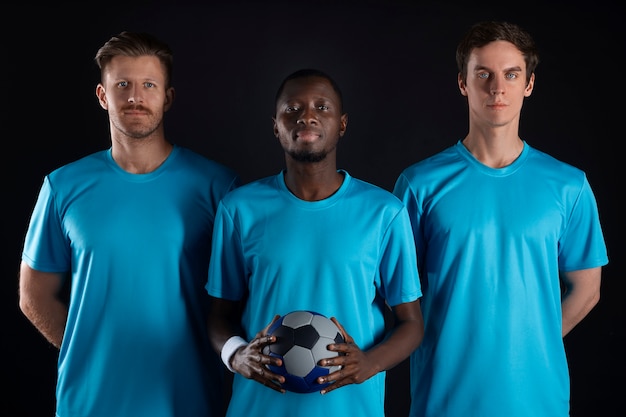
[496, 84]
[133, 91]
[308, 121]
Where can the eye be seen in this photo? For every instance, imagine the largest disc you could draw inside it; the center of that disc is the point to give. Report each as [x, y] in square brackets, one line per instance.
[511, 75]
[483, 75]
[148, 84]
[122, 84]
[322, 107]
[291, 109]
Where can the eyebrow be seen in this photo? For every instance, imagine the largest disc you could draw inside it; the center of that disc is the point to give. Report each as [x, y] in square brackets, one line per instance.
[510, 69]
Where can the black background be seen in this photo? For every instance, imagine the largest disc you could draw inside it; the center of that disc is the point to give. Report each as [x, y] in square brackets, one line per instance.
[395, 63]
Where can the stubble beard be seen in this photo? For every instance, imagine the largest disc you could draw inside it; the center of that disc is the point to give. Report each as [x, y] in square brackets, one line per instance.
[308, 156]
[136, 131]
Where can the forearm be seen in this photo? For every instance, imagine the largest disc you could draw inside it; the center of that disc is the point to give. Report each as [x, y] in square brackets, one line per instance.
[223, 322]
[575, 306]
[582, 293]
[41, 303]
[402, 341]
[48, 317]
[219, 333]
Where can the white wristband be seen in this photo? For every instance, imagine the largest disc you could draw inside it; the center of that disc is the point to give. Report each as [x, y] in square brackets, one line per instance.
[229, 348]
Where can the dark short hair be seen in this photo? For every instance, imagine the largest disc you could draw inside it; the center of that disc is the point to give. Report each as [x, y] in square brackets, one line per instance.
[482, 33]
[310, 72]
[135, 44]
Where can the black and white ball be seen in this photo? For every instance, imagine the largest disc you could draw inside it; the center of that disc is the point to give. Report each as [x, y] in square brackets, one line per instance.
[301, 341]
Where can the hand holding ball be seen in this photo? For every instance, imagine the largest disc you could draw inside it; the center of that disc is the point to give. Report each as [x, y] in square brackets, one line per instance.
[301, 340]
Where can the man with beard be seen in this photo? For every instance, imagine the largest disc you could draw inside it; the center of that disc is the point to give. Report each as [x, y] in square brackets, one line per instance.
[129, 229]
[314, 238]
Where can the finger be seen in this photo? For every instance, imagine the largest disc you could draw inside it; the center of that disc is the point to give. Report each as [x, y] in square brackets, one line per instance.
[346, 336]
[270, 380]
[260, 341]
[266, 373]
[273, 385]
[266, 329]
[334, 377]
[331, 387]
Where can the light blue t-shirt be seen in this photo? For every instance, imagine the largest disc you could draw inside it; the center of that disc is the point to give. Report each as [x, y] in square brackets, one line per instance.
[490, 245]
[138, 248]
[342, 257]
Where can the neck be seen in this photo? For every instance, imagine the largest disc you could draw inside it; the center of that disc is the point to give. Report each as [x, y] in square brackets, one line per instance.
[140, 156]
[494, 152]
[311, 182]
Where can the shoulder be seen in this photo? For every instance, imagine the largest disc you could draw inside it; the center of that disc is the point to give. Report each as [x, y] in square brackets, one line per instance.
[84, 166]
[552, 167]
[203, 164]
[444, 157]
[433, 164]
[374, 195]
[197, 159]
[252, 190]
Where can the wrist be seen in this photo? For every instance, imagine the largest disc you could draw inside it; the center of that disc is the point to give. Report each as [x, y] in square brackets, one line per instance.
[229, 349]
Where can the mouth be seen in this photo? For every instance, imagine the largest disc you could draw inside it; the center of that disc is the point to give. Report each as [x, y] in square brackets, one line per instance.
[135, 113]
[135, 110]
[307, 135]
[497, 106]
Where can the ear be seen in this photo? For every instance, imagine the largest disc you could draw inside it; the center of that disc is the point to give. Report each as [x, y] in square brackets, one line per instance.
[170, 93]
[462, 88]
[275, 127]
[343, 124]
[102, 96]
[529, 87]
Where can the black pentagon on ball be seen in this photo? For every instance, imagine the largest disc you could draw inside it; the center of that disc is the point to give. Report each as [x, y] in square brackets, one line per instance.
[286, 337]
[305, 336]
[284, 340]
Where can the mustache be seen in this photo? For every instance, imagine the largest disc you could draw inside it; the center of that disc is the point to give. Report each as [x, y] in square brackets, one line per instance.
[136, 107]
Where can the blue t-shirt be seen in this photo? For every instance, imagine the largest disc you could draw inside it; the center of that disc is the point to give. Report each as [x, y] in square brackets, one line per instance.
[138, 248]
[490, 245]
[342, 256]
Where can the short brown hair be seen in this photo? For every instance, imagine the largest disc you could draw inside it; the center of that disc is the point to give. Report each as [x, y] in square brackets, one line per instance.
[136, 44]
[482, 33]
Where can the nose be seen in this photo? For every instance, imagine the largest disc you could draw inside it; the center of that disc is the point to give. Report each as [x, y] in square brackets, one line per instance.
[135, 95]
[307, 116]
[496, 86]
